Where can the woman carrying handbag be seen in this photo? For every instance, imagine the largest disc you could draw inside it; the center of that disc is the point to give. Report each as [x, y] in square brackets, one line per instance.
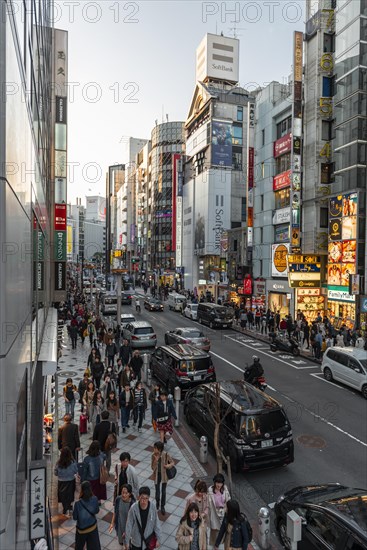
[94, 470]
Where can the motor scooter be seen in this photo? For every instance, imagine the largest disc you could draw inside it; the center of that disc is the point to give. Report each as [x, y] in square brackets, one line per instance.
[288, 345]
[259, 382]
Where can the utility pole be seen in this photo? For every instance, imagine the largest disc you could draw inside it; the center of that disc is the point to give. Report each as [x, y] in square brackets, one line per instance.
[118, 273]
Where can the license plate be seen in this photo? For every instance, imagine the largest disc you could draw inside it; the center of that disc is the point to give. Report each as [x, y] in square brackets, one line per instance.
[224, 326]
[198, 377]
[268, 443]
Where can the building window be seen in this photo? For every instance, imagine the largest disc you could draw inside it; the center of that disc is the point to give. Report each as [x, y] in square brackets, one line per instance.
[282, 198]
[263, 170]
[263, 137]
[235, 242]
[329, 43]
[237, 134]
[236, 160]
[243, 209]
[262, 203]
[261, 235]
[284, 127]
[323, 217]
[261, 267]
[326, 130]
[283, 163]
[240, 114]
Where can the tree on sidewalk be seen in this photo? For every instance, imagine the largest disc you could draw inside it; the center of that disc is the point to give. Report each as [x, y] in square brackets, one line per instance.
[218, 415]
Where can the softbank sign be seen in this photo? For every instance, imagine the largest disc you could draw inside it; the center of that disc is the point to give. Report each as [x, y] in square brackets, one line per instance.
[218, 228]
[217, 57]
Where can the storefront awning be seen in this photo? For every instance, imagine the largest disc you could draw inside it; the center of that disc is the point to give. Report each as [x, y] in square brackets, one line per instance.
[48, 352]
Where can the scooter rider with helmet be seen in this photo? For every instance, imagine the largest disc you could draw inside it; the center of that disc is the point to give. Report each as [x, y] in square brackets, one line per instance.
[254, 371]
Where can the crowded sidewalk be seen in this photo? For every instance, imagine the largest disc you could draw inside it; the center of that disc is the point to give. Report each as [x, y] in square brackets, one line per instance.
[72, 364]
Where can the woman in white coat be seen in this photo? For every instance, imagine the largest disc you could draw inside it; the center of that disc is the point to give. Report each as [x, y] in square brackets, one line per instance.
[218, 496]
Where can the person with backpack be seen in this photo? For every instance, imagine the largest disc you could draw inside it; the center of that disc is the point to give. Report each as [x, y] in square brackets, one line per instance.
[111, 350]
[97, 370]
[234, 529]
[69, 392]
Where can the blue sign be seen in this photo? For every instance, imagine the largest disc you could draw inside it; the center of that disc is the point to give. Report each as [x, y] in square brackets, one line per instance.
[304, 268]
[364, 305]
[221, 143]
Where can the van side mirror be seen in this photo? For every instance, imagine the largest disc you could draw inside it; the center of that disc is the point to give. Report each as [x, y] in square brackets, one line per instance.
[357, 369]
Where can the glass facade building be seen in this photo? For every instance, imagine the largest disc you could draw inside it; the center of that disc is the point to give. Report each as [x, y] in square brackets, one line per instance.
[167, 139]
[26, 286]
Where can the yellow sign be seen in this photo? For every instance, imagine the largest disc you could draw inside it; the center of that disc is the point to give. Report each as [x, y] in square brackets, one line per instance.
[280, 258]
[69, 241]
[298, 56]
[303, 259]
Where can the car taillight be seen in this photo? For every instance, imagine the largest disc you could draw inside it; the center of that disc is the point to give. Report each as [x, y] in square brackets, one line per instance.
[185, 341]
[180, 373]
[153, 337]
[135, 338]
[206, 341]
[211, 370]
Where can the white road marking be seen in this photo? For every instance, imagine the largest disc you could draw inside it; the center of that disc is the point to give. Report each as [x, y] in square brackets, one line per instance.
[320, 376]
[297, 403]
[272, 355]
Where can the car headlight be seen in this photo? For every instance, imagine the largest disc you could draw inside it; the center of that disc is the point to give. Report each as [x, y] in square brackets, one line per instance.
[280, 499]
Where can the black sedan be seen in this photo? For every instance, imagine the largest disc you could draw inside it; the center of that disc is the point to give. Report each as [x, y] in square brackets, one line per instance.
[333, 516]
[152, 304]
[126, 298]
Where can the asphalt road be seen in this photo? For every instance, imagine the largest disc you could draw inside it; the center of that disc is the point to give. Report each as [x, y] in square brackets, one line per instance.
[328, 419]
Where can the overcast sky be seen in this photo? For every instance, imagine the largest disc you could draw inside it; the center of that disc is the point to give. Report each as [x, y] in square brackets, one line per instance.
[131, 63]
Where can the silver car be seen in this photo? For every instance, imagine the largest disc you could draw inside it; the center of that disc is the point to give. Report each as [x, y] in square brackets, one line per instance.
[140, 334]
[187, 335]
[126, 318]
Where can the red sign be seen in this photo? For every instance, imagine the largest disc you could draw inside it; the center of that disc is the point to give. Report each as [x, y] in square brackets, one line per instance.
[282, 145]
[60, 217]
[250, 175]
[282, 180]
[247, 285]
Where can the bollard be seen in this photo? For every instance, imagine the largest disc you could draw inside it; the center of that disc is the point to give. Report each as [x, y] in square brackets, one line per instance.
[146, 358]
[177, 405]
[203, 454]
[149, 378]
[264, 528]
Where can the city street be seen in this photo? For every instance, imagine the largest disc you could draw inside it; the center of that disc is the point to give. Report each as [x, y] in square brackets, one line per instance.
[328, 420]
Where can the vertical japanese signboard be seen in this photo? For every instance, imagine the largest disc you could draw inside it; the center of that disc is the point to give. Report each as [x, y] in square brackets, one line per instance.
[37, 501]
[177, 191]
[60, 160]
[250, 179]
[296, 143]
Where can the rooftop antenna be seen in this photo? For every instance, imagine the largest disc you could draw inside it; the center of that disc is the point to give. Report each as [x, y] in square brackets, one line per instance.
[167, 117]
[235, 29]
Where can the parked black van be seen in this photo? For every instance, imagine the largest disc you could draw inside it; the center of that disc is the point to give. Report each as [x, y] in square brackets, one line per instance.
[181, 365]
[215, 315]
[255, 433]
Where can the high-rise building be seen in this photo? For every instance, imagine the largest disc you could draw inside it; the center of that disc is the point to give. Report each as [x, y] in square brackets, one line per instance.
[33, 129]
[168, 139]
[214, 190]
[272, 198]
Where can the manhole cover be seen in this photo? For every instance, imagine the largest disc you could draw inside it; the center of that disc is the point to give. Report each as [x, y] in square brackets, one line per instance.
[313, 441]
[68, 373]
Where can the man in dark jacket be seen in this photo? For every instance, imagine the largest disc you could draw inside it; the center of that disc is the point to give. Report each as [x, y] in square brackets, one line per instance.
[125, 353]
[101, 432]
[73, 331]
[126, 401]
[68, 436]
[136, 364]
[111, 350]
[97, 369]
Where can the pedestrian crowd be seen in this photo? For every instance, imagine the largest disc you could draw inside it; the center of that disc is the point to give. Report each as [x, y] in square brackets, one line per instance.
[111, 396]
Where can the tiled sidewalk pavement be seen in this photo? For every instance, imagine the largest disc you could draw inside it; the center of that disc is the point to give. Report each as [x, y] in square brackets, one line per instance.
[140, 446]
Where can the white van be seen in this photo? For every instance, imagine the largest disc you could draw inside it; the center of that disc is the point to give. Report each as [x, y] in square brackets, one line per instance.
[176, 301]
[347, 365]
